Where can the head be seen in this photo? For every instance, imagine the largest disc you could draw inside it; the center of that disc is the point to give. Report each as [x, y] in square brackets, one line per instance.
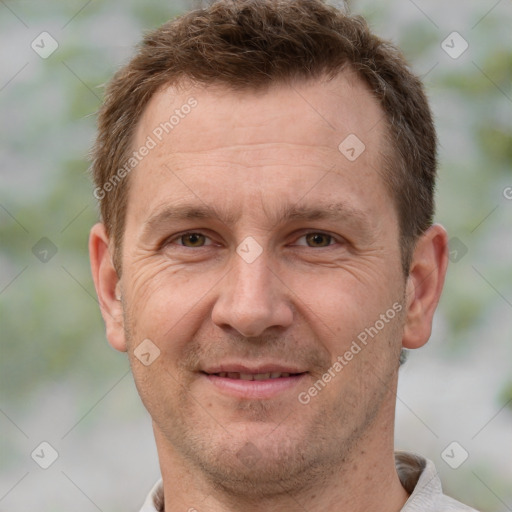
[278, 220]
[235, 47]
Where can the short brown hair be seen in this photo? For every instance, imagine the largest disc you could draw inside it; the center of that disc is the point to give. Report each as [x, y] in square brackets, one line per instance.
[249, 45]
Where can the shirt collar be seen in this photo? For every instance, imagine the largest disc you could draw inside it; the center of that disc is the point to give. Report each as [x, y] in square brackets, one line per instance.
[155, 500]
[420, 479]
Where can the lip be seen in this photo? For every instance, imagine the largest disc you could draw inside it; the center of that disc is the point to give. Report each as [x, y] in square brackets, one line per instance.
[261, 368]
[254, 389]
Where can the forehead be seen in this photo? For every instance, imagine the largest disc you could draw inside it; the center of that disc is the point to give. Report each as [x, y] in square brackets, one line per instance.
[282, 138]
[317, 111]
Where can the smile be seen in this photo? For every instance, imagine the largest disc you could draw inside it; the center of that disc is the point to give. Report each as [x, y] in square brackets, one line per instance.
[252, 376]
[254, 386]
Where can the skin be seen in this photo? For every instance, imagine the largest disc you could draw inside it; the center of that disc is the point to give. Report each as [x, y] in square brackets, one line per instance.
[303, 301]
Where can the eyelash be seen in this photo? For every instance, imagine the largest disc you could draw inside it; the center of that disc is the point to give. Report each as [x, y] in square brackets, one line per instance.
[179, 236]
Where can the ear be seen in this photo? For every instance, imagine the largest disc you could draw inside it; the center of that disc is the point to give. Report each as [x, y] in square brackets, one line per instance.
[108, 286]
[424, 285]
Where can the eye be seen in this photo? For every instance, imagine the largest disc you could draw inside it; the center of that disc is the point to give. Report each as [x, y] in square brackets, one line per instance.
[316, 240]
[191, 240]
[196, 240]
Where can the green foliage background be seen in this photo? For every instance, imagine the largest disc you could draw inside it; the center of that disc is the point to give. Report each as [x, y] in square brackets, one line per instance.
[52, 335]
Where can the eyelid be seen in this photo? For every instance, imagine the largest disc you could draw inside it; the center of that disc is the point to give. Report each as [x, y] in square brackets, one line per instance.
[172, 239]
[334, 238]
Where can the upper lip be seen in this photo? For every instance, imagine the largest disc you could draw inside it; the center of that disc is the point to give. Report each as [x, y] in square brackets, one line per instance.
[252, 370]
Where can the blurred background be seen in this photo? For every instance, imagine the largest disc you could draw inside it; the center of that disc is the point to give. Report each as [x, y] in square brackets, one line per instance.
[61, 383]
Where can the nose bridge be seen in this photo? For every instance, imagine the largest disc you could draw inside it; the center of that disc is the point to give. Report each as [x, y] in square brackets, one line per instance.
[252, 279]
[252, 299]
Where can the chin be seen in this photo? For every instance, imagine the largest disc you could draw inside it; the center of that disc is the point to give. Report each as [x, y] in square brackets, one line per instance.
[258, 473]
[258, 461]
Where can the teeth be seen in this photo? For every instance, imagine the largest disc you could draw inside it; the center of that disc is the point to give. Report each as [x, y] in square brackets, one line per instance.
[262, 376]
[252, 376]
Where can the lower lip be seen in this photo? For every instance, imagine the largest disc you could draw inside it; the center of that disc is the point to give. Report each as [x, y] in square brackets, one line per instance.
[255, 389]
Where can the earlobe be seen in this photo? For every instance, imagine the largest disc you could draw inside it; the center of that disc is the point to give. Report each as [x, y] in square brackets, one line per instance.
[108, 286]
[424, 285]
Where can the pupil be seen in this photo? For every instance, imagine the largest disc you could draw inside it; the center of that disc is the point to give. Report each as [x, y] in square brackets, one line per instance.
[194, 239]
[319, 239]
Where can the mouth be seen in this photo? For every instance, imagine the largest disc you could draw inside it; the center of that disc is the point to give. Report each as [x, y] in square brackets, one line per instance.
[257, 384]
[254, 376]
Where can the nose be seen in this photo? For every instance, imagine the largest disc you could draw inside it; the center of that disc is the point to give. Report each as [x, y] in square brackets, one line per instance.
[252, 299]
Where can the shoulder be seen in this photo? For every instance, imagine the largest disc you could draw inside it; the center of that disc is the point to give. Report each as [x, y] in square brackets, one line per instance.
[447, 504]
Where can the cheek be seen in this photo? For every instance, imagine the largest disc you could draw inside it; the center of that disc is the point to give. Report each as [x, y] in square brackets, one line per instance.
[359, 326]
[166, 304]
[344, 303]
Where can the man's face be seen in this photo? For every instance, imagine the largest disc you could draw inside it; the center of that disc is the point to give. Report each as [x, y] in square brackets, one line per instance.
[254, 246]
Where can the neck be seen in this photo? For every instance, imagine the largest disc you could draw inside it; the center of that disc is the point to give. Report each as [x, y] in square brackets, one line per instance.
[367, 480]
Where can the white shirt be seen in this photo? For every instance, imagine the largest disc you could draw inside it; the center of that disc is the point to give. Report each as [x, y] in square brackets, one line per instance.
[418, 476]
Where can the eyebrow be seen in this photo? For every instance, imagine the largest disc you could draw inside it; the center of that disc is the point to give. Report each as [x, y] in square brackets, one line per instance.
[336, 212]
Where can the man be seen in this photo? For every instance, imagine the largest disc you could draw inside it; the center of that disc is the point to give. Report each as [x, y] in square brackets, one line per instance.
[266, 173]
